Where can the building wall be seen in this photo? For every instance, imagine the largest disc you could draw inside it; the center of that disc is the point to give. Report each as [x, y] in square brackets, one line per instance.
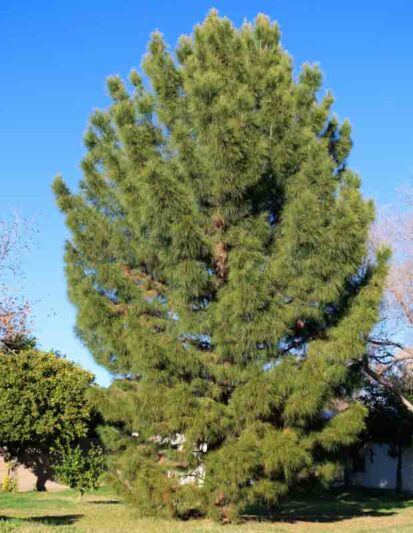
[26, 480]
[380, 469]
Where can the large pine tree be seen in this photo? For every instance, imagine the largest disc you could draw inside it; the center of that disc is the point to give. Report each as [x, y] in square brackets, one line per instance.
[217, 262]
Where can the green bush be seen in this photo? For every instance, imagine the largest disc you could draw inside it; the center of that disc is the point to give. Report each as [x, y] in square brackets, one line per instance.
[81, 469]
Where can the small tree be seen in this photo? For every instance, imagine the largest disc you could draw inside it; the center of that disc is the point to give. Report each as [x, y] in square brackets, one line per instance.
[43, 407]
[81, 469]
[14, 310]
[390, 361]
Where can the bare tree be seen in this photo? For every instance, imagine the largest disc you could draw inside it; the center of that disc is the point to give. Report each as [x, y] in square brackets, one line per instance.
[14, 310]
[390, 357]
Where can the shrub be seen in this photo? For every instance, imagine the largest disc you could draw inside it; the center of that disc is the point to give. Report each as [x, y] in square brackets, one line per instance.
[81, 469]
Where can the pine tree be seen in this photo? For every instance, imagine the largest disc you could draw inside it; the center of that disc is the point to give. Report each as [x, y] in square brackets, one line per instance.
[218, 264]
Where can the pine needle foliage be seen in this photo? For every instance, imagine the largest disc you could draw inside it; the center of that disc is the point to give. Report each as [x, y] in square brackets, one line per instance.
[217, 262]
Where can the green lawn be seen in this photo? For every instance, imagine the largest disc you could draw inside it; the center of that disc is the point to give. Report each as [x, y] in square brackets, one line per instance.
[341, 512]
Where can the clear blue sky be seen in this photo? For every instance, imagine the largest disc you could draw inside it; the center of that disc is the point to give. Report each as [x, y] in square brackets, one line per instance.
[55, 55]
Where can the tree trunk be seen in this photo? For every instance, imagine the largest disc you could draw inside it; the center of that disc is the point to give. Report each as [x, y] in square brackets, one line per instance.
[399, 469]
[41, 481]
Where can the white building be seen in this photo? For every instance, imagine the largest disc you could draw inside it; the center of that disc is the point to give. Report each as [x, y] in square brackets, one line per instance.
[377, 468]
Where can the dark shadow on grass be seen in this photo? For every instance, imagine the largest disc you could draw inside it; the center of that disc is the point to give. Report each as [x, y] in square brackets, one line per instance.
[56, 520]
[332, 506]
[104, 502]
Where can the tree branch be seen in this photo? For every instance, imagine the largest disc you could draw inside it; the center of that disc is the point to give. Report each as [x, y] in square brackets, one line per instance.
[389, 386]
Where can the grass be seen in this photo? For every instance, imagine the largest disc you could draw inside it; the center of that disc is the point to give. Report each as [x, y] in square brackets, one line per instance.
[338, 511]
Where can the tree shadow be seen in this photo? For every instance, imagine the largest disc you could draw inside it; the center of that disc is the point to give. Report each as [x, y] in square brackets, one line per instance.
[104, 502]
[332, 506]
[56, 520]
[40, 462]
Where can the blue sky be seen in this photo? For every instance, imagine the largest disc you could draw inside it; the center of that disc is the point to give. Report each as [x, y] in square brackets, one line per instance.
[55, 55]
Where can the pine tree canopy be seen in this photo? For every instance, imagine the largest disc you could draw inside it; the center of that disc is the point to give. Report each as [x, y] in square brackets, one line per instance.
[218, 264]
